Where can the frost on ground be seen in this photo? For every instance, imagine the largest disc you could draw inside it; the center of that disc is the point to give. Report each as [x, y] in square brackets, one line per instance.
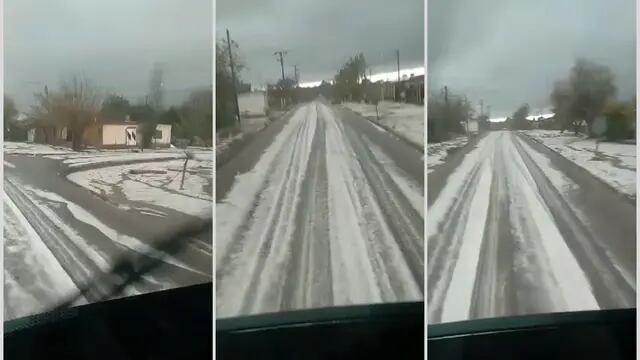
[614, 164]
[438, 152]
[34, 281]
[405, 119]
[156, 183]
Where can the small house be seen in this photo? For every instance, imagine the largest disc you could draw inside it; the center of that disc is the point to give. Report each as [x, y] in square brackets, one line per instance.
[123, 134]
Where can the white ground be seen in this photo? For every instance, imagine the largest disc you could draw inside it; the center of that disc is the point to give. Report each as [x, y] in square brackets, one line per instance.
[456, 239]
[405, 119]
[92, 156]
[615, 164]
[34, 281]
[342, 214]
[437, 152]
[155, 188]
[33, 149]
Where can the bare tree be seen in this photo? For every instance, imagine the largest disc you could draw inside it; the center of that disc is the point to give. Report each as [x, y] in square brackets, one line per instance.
[74, 106]
[79, 102]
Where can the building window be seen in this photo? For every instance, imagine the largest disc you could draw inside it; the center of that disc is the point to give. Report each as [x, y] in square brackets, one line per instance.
[157, 135]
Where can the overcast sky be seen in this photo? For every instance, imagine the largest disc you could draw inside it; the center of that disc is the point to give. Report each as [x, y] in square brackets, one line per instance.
[510, 52]
[321, 35]
[113, 43]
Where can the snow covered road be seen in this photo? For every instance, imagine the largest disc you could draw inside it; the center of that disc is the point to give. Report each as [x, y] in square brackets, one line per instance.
[325, 217]
[517, 229]
[59, 237]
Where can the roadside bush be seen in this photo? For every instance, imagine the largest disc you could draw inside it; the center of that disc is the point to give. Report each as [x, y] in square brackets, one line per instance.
[620, 117]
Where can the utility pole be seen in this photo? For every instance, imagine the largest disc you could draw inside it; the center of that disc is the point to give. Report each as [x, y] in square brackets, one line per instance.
[233, 77]
[398, 63]
[296, 75]
[481, 108]
[398, 83]
[281, 60]
[446, 111]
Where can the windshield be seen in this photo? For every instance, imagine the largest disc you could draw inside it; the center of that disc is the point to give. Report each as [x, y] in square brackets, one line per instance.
[108, 156]
[320, 170]
[531, 158]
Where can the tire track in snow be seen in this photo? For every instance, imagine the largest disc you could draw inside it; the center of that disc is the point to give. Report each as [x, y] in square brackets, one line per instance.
[309, 283]
[446, 219]
[304, 228]
[614, 289]
[82, 269]
[358, 214]
[255, 283]
[519, 264]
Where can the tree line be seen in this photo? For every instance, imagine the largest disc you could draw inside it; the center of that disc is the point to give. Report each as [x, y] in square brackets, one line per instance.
[77, 104]
[587, 93]
[447, 113]
[351, 79]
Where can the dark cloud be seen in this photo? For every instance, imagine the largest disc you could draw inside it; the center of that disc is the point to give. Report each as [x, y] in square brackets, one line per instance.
[510, 52]
[113, 43]
[321, 35]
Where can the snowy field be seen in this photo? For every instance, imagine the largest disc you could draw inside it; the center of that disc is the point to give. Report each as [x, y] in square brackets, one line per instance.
[156, 183]
[405, 119]
[511, 234]
[614, 164]
[438, 152]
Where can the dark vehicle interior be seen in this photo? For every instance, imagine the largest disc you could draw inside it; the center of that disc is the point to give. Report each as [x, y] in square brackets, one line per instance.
[601, 334]
[385, 331]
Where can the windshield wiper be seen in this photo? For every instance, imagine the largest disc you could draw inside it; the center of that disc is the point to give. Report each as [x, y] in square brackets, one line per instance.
[130, 269]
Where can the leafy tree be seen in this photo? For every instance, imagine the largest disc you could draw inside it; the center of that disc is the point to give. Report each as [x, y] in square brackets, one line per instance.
[115, 107]
[447, 116]
[584, 95]
[593, 86]
[519, 118]
[348, 82]
[621, 118]
[196, 118]
[171, 116]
